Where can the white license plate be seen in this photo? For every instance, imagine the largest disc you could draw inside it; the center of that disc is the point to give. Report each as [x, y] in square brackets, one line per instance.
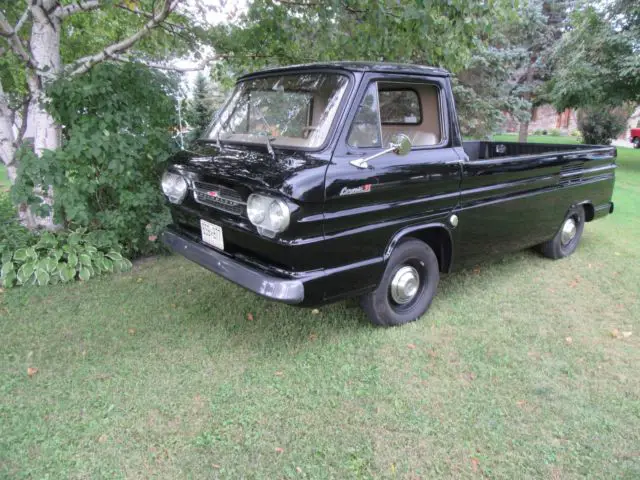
[212, 234]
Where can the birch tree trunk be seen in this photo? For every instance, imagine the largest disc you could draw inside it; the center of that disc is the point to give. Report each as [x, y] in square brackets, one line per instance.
[42, 61]
[7, 137]
[45, 50]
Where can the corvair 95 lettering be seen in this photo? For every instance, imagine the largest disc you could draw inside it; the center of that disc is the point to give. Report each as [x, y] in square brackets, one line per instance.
[325, 181]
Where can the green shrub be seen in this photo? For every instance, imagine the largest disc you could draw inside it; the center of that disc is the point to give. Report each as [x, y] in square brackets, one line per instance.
[575, 133]
[41, 258]
[116, 138]
[554, 132]
[12, 234]
[599, 125]
[49, 258]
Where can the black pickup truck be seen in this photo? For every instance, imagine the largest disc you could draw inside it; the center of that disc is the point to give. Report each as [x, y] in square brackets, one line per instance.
[323, 181]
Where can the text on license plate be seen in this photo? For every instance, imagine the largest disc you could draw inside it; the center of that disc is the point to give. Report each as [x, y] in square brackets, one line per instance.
[212, 234]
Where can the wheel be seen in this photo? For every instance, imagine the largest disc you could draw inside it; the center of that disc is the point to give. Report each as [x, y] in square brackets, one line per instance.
[407, 287]
[566, 240]
[636, 142]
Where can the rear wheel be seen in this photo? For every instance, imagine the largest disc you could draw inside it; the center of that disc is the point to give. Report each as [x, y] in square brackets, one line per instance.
[407, 287]
[636, 142]
[566, 240]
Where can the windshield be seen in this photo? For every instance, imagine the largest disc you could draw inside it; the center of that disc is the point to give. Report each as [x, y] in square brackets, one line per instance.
[288, 110]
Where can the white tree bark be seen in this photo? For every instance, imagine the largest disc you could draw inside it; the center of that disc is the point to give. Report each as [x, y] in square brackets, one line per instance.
[44, 46]
[7, 136]
[43, 62]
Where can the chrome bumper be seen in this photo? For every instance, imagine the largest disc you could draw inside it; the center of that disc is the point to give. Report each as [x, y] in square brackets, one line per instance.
[274, 288]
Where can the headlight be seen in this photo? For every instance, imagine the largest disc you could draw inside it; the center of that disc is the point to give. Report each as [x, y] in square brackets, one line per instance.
[257, 206]
[174, 186]
[269, 215]
[279, 215]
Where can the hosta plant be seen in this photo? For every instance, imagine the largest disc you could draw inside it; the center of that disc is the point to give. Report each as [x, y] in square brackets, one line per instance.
[62, 257]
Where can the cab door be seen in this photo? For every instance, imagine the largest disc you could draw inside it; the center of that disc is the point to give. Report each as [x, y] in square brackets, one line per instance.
[366, 207]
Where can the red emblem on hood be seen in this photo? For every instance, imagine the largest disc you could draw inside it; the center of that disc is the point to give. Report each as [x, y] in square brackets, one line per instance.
[212, 194]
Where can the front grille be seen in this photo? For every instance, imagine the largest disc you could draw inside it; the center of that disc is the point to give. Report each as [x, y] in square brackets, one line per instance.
[217, 196]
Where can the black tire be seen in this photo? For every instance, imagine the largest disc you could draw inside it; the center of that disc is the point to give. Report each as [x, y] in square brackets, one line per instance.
[379, 305]
[555, 248]
[636, 142]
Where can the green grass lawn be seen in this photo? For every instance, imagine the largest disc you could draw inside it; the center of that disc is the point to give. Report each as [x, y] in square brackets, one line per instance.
[161, 372]
[512, 137]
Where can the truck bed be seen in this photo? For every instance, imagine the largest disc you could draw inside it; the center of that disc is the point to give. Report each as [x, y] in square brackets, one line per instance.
[484, 150]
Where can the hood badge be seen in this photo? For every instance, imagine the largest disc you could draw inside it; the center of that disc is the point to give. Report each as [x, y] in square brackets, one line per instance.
[355, 190]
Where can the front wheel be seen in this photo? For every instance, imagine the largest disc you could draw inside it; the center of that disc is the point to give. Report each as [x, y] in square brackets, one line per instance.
[636, 142]
[407, 287]
[567, 238]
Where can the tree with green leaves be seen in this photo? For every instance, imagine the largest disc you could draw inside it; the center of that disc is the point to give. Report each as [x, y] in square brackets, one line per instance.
[502, 73]
[200, 107]
[438, 33]
[44, 40]
[538, 30]
[487, 45]
[598, 60]
[597, 68]
[507, 72]
[117, 136]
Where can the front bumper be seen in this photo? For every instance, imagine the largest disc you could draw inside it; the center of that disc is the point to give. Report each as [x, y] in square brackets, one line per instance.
[275, 288]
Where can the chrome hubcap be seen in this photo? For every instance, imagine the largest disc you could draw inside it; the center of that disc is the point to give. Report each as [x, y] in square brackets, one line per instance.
[405, 284]
[568, 231]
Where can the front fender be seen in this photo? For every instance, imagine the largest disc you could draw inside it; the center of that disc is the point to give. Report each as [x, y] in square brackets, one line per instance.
[437, 235]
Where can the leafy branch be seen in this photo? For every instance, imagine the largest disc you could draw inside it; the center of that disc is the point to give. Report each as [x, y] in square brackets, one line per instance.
[10, 34]
[84, 64]
[63, 12]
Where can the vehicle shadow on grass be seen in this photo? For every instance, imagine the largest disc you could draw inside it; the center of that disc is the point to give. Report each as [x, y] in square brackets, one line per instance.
[248, 320]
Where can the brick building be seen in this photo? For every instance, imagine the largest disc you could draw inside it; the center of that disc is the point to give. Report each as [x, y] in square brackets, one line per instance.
[545, 117]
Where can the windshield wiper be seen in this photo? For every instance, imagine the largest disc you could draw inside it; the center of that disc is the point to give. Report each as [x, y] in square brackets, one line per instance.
[218, 141]
[269, 147]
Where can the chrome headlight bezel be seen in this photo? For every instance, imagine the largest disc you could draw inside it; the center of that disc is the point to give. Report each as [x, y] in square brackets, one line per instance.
[268, 214]
[174, 187]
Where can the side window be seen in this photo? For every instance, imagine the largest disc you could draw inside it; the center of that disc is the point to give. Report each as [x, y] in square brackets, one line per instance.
[389, 108]
[400, 107]
[365, 129]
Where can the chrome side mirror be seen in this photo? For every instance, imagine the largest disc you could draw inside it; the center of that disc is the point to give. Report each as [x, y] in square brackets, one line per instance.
[400, 145]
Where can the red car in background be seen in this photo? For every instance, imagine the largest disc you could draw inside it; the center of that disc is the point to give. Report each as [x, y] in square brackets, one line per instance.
[635, 137]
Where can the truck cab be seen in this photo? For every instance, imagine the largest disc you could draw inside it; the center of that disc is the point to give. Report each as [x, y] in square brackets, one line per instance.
[324, 181]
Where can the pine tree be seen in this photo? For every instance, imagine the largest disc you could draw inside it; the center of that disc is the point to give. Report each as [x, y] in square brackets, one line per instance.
[200, 109]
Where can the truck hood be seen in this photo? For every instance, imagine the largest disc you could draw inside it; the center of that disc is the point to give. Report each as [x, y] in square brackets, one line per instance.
[297, 175]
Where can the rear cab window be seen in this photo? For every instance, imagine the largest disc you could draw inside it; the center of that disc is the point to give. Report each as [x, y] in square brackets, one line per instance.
[400, 107]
